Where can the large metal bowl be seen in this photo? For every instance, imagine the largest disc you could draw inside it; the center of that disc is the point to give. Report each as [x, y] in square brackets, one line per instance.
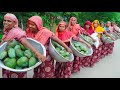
[81, 36]
[35, 44]
[76, 52]
[114, 35]
[104, 39]
[54, 54]
[117, 35]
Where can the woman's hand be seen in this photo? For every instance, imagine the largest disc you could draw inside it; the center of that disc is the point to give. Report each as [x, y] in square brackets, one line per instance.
[40, 57]
[69, 50]
[89, 45]
[8, 40]
[112, 38]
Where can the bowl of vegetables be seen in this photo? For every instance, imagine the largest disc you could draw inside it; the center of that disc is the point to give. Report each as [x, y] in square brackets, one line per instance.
[80, 49]
[107, 39]
[17, 58]
[86, 38]
[59, 53]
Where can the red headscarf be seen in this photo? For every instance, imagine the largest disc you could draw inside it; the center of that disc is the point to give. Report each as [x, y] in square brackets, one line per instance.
[63, 35]
[15, 32]
[90, 31]
[43, 33]
[75, 28]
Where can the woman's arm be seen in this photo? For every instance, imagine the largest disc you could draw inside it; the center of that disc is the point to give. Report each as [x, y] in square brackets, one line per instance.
[108, 35]
[80, 40]
[55, 38]
[92, 38]
[28, 45]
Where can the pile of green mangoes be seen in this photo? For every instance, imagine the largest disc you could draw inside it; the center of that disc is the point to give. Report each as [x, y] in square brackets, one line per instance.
[107, 37]
[17, 56]
[87, 38]
[61, 51]
[80, 48]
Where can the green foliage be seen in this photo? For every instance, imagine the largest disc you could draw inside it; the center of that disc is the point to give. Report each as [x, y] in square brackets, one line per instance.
[47, 20]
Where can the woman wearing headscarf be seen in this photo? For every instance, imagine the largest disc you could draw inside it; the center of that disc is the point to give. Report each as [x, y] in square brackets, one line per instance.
[36, 31]
[109, 46]
[63, 70]
[88, 62]
[12, 31]
[76, 29]
[102, 24]
[98, 29]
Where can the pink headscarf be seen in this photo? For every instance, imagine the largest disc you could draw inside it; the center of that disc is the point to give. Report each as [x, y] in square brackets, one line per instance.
[75, 28]
[43, 33]
[90, 31]
[15, 32]
[64, 35]
[11, 17]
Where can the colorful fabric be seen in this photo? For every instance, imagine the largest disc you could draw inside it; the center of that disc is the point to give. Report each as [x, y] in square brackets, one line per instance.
[74, 29]
[63, 70]
[90, 31]
[14, 33]
[99, 29]
[64, 35]
[43, 33]
[46, 69]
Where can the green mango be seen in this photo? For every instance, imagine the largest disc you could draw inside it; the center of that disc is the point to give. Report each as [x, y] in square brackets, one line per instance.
[3, 54]
[19, 53]
[82, 52]
[28, 53]
[61, 51]
[67, 57]
[32, 61]
[22, 62]
[10, 62]
[11, 53]
[17, 47]
[76, 44]
[58, 49]
[18, 67]
[12, 44]
[22, 47]
[6, 59]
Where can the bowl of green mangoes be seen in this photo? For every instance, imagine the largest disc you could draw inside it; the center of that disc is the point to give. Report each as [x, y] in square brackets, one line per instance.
[80, 49]
[86, 38]
[59, 53]
[107, 39]
[17, 58]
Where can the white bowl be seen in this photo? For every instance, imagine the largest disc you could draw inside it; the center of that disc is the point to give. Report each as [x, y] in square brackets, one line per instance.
[35, 44]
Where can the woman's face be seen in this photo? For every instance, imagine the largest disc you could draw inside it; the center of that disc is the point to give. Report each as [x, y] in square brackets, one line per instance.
[102, 24]
[108, 24]
[87, 26]
[73, 21]
[32, 26]
[95, 24]
[112, 24]
[8, 24]
[61, 27]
